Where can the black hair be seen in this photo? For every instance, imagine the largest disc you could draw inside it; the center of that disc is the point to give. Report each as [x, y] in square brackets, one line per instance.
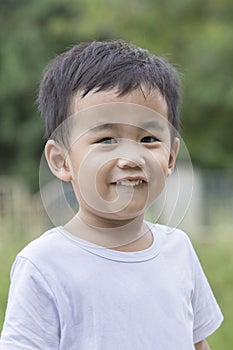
[103, 66]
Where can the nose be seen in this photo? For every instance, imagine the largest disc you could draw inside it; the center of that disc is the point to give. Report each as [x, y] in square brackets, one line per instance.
[129, 163]
[131, 158]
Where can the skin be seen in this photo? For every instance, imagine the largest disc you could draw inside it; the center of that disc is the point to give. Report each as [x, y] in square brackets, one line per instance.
[126, 151]
[202, 345]
[99, 159]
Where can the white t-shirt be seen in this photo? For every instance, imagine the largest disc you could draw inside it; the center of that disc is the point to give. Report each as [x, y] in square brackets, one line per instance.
[68, 294]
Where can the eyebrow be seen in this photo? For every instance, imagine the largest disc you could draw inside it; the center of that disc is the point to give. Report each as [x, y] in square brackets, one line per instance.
[153, 124]
[103, 127]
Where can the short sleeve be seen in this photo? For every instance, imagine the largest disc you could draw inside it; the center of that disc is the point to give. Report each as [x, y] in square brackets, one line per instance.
[207, 314]
[31, 320]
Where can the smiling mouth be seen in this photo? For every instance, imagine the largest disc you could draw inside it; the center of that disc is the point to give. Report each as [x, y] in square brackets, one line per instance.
[130, 183]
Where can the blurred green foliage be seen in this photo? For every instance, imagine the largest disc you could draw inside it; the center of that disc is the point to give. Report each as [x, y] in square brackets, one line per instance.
[217, 260]
[194, 35]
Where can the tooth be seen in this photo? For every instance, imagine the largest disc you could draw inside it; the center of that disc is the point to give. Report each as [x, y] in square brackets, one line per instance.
[129, 183]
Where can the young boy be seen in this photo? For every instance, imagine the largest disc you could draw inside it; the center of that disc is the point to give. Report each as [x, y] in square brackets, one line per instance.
[108, 279]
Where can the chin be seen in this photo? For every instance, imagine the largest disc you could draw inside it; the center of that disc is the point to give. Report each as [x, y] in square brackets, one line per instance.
[129, 213]
[123, 215]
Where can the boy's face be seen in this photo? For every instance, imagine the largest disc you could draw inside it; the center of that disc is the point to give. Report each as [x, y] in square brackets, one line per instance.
[120, 154]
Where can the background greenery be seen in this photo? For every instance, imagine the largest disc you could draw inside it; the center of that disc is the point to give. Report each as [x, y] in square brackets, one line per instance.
[195, 35]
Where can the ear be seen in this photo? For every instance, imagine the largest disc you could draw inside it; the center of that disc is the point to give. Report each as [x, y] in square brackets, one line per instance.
[173, 155]
[57, 159]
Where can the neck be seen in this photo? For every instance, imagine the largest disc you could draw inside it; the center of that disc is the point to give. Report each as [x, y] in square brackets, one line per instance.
[120, 235]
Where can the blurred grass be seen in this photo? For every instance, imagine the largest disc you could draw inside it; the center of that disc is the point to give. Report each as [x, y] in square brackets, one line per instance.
[216, 256]
[215, 253]
[13, 237]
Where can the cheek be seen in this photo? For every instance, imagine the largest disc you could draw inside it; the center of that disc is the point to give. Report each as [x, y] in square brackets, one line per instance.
[158, 175]
[159, 161]
[163, 157]
[163, 166]
[85, 164]
[91, 178]
[103, 181]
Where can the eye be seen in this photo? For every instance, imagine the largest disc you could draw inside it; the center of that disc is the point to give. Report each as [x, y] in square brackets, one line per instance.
[107, 140]
[149, 139]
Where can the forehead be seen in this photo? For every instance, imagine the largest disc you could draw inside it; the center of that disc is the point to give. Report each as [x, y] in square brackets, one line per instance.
[139, 109]
[149, 99]
[116, 116]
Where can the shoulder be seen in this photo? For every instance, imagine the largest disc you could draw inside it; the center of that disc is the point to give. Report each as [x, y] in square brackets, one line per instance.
[172, 240]
[168, 234]
[46, 257]
[48, 242]
[50, 251]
